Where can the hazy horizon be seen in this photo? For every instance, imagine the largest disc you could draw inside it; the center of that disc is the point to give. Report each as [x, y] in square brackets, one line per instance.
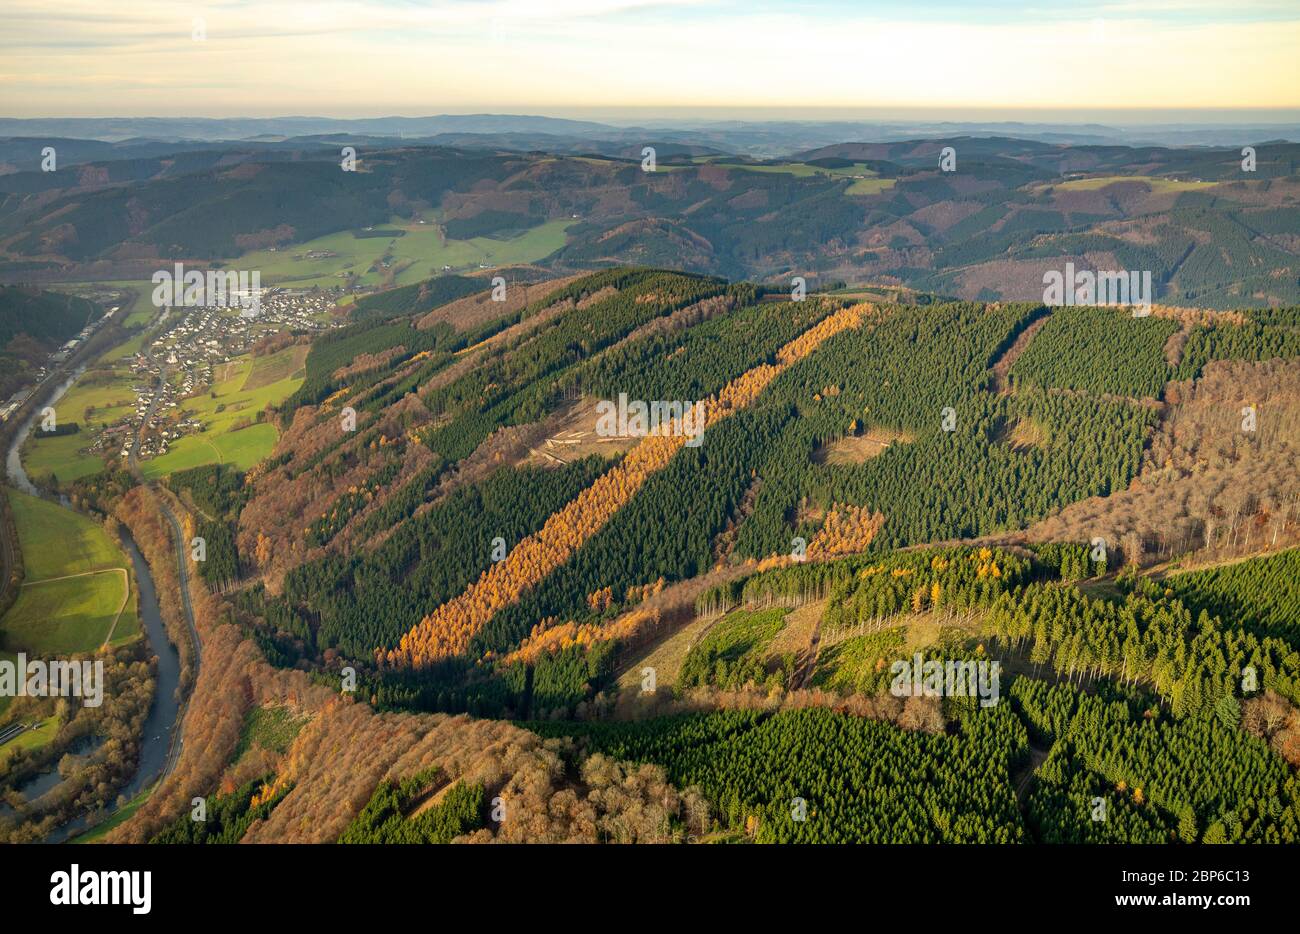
[632, 116]
[148, 58]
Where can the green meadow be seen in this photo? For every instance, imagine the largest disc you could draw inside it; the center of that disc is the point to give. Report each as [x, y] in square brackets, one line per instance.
[1156, 183]
[421, 252]
[66, 617]
[121, 815]
[231, 434]
[139, 310]
[102, 396]
[57, 541]
[31, 739]
[77, 590]
[871, 184]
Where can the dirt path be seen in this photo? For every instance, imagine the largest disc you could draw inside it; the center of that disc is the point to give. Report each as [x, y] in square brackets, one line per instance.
[1023, 780]
[1001, 381]
[126, 592]
[676, 606]
[802, 636]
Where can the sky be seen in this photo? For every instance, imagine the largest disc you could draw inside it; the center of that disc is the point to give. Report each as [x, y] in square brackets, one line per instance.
[352, 58]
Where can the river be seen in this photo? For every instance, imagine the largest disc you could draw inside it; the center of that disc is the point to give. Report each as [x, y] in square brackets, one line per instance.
[165, 708]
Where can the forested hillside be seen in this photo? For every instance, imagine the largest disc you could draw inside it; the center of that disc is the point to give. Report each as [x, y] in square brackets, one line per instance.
[32, 324]
[452, 525]
[1210, 234]
[717, 614]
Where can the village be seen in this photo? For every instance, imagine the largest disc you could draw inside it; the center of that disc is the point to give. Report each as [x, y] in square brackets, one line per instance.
[181, 361]
[177, 360]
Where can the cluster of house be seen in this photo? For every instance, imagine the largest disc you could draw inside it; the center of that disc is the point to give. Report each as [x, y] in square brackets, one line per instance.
[180, 362]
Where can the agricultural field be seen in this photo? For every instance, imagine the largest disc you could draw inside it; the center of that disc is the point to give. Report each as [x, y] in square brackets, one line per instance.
[1157, 184]
[77, 594]
[229, 411]
[102, 396]
[139, 309]
[865, 181]
[31, 739]
[421, 252]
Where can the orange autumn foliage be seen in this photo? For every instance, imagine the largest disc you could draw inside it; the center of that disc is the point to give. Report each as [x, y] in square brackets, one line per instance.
[846, 531]
[547, 638]
[448, 630]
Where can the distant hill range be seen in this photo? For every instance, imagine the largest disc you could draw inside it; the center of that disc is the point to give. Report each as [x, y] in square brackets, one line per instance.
[885, 212]
[760, 138]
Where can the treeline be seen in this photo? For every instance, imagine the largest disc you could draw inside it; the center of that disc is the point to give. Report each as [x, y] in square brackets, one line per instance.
[219, 492]
[1098, 350]
[814, 776]
[220, 565]
[1071, 561]
[1117, 774]
[1250, 341]
[387, 816]
[1261, 595]
[960, 468]
[628, 548]
[694, 363]
[369, 598]
[227, 817]
[58, 431]
[942, 485]
[412, 299]
[48, 317]
[917, 371]
[517, 387]
[378, 338]
[973, 480]
[666, 531]
[1225, 258]
[918, 581]
[489, 222]
[1188, 659]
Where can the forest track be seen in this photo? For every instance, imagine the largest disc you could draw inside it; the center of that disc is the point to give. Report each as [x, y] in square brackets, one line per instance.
[1024, 779]
[1002, 366]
